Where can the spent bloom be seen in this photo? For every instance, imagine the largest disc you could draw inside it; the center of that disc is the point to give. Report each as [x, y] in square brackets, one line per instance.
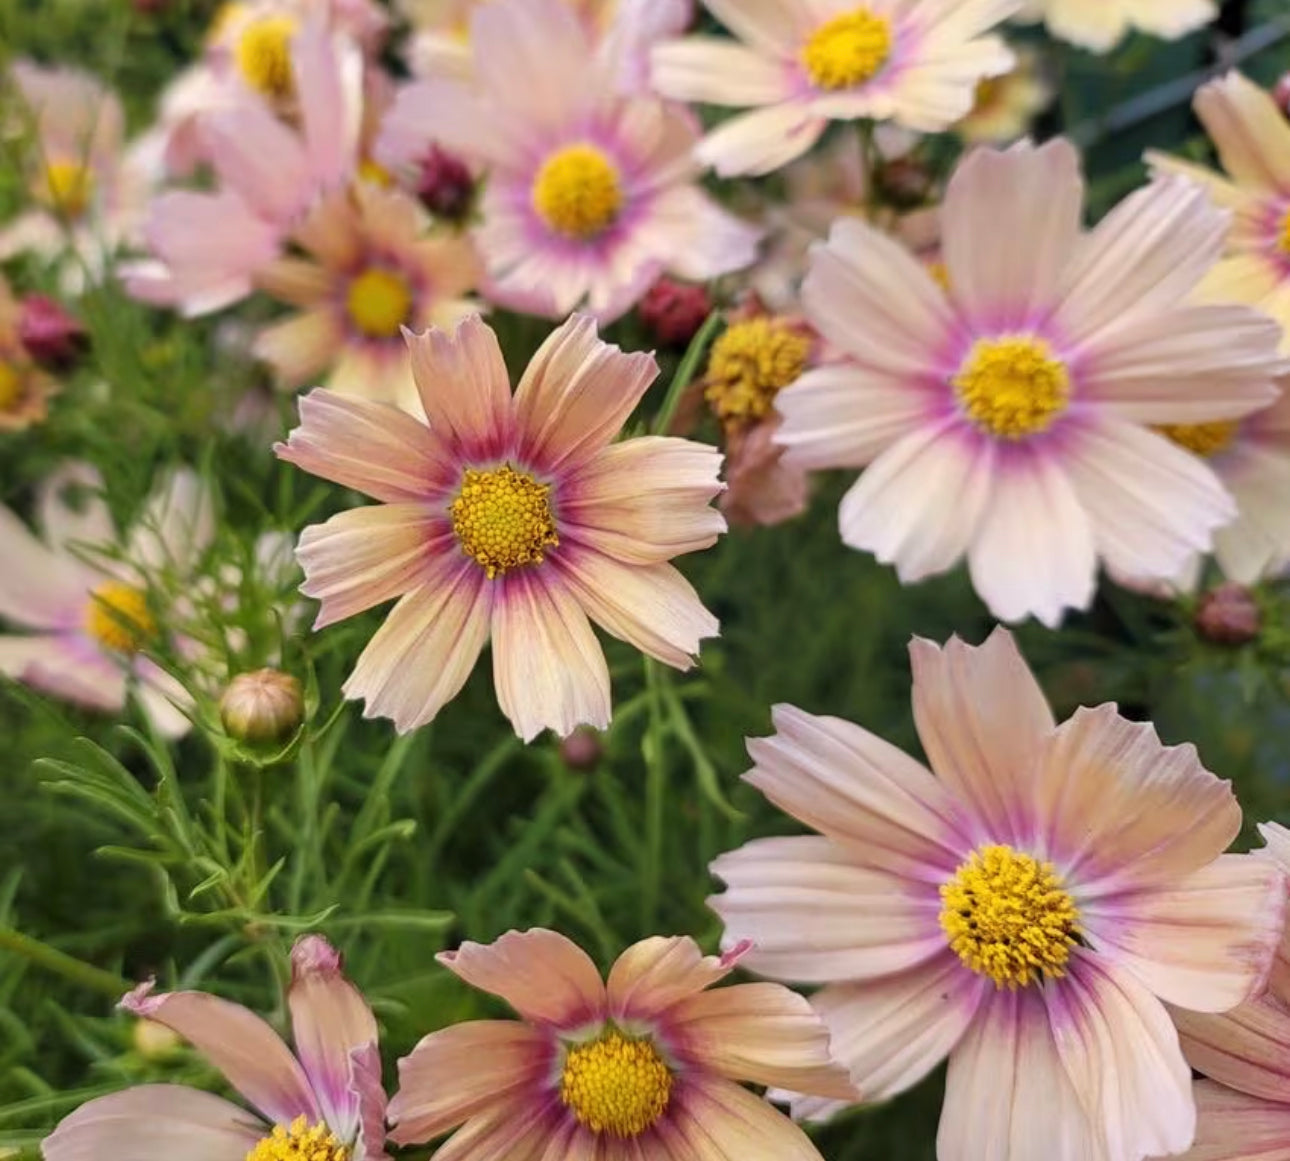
[324, 1101]
[800, 64]
[1252, 137]
[1006, 418]
[642, 1067]
[91, 620]
[510, 517]
[1027, 907]
[1099, 25]
[591, 195]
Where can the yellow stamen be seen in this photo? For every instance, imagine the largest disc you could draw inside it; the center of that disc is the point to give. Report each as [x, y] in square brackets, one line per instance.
[577, 192]
[378, 302]
[374, 173]
[1284, 240]
[1008, 917]
[1202, 439]
[615, 1085]
[847, 50]
[749, 364]
[940, 274]
[1012, 387]
[989, 93]
[226, 15]
[263, 56]
[117, 617]
[12, 386]
[299, 1142]
[502, 518]
[69, 186]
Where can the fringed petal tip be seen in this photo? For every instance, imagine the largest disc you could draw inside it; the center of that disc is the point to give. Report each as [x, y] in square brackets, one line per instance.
[313, 955]
[139, 1000]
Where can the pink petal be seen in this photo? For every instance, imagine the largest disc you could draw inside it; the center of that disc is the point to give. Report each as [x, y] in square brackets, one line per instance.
[461, 378]
[1232, 1126]
[1009, 277]
[365, 556]
[38, 588]
[1243, 1049]
[176, 526]
[1120, 1051]
[249, 1053]
[762, 141]
[368, 1088]
[330, 1021]
[860, 791]
[575, 396]
[155, 1122]
[302, 346]
[1204, 941]
[89, 523]
[257, 157]
[463, 1071]
[548, 668]
[328, 72]
[1248, 130]
[653, 975]
[813, 915]
[699, 238]
[545, 977]
[761, 1033]
[452, 115]
[68, 666]
[370, 447]
[422, 655]
[712, 1119]
[716, 71]
[515, 1131]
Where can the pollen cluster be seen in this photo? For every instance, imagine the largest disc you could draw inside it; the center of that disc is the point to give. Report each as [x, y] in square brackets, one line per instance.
[117, 617]
[577, 192]
[263, 56]
[69, 186]
[749, 364]
[11, 386]
[502, 518]
[1012, 387]
[1008, 917]
[1202, 439]
[299, 1142]
[847, 50]
[378, 302]
[616, 1085]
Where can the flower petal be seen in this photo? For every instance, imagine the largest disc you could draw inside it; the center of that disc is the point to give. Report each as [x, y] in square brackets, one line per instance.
[1233, 1126]
[1244, 1049]
[715, 1120]
[71, 509]
[656, 973]
[716, 71]
[301, 347]
[1249, 131]
[762, 141]
[38, 588]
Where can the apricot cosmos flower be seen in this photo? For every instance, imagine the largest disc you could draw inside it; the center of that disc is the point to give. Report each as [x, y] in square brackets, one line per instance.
[642, 1067]
[1027, 910]
[510, 517]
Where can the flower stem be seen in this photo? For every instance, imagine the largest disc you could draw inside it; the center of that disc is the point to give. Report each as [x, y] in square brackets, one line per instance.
[685, 372]
[59, 962]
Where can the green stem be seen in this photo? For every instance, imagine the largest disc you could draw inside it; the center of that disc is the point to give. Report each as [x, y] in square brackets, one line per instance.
[59, 962]
[685, 372]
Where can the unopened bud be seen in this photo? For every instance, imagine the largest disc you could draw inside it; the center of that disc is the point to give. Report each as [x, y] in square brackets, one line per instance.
[445, 185]
[51, 336]
[582, 749]
[263, 707]
[903, 183]
[674, 311]
[154, 1041]
[1228, 615]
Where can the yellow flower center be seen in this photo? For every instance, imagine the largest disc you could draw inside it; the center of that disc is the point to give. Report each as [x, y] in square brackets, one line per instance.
[263, 56]
[989, 93]
[502, 518]
[615, 1085]
[749, 364]
[117, 617]
[847, 50]
[378, 302]
[1008, 917]
[374, 173]
[577, 192]
[225, 16]
[69, 185]
[1012, 388]
[11, 386]
[300, 1142]
[1202, 439]
[1284, 240]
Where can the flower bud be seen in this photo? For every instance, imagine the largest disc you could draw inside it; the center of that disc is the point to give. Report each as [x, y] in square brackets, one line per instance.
[674, 311]
[262, 708]
[582, 749]
[445, 185]
[51, 336]
[154, 1041]
[1228, 615]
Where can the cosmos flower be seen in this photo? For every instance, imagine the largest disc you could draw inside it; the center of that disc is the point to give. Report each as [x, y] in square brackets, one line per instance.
[371, 269]
[1006, 419]
[643, 1067]
[1099, 25]
[1253, 141]
[24, 388]
[800, 64]
[591, 195]
[90, 623]
[1003, 107]
[1028, 909]
[324, 1101]
[507, 517]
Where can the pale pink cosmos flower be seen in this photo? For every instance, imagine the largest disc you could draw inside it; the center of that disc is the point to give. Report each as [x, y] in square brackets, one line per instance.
[800, 64]
[89, 617]
[369, 268]
[642, 1067]
[90, 188]
[1028, 909]
[206, 246]
[1099, 25]
[1006, 419]
[323, 1101]
[591, 195]
[1243, 1107]
[507, 517]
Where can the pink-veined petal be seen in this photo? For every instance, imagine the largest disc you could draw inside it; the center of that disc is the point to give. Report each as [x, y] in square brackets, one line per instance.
[656, 973]
[1234, 1126]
